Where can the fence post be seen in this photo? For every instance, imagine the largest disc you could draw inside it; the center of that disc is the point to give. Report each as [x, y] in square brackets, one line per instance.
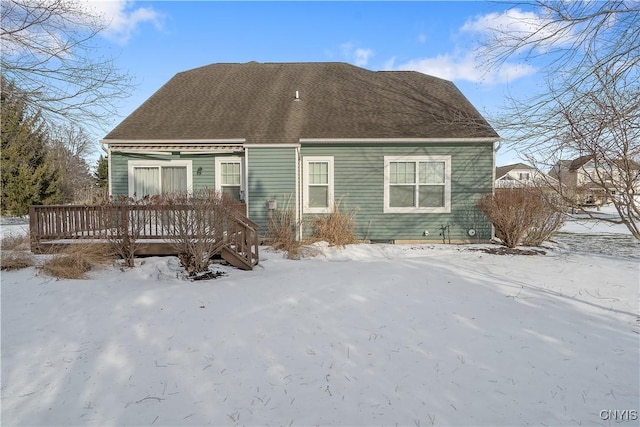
[124, 224]
[34, 232]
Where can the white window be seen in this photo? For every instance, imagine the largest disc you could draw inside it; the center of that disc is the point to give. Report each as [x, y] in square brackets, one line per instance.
[155, 177]
[318, 184]
[524, 176]
[229, 177]
[417, 184]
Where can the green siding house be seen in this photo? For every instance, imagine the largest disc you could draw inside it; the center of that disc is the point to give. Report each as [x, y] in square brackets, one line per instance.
[406, 152]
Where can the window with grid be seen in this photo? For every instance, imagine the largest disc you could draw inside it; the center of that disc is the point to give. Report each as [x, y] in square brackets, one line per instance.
[229, 179]
[417, 184]
[318, 184]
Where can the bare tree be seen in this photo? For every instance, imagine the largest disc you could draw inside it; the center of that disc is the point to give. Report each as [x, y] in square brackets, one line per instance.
[48, 51]
[74, 138]
[589, 53]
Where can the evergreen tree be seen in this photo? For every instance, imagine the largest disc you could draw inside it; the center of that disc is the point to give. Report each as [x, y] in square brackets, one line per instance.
[101, 174]
[27, 174]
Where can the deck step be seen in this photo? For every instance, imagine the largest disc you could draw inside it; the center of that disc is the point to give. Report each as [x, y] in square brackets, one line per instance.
[235, 259]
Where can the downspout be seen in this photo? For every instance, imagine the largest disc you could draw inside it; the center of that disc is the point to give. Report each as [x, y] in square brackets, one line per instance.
[246, 179]
[493, 168]
[108, 151]
[496, 147]
[298, 195]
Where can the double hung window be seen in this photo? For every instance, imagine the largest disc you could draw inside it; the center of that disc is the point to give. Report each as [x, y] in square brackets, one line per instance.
[318, 184]
[229, 177]
[417, 184]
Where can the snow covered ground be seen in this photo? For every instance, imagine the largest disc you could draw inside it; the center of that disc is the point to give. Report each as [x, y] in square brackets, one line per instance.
[366, 335]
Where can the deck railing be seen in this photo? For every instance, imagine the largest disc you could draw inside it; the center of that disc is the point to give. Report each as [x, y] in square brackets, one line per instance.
[57, 225]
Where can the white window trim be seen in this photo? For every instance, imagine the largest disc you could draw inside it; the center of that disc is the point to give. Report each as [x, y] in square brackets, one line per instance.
[132, 164]
[305, 184]
[447, 184]
[218, 171]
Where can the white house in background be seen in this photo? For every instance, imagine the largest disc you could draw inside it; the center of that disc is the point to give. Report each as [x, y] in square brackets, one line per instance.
[519, 175]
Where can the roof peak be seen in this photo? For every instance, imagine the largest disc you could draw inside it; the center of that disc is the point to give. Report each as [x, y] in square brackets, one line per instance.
[256, 101]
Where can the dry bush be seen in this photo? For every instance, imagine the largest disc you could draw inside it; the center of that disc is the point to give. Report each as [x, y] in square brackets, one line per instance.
[195, 224]
[77, 260]
[281, 231]
[15, 255]
[16, 260]
[127, 220]
[15, 242]
[336, 228]
[521, 216]
[547, 216]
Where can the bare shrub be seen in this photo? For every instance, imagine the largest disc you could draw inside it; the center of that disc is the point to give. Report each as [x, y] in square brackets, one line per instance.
[337, 228]
[547, 216]
[126, 220]
[15, 242]
[521, 216]
[281, 231]
[195, 225]
[16, 260]
[502, 209]
[77, 260]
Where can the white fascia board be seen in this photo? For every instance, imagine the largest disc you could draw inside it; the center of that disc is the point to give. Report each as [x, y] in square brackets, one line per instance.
[387, 140]
[258, 145]
[208, 151]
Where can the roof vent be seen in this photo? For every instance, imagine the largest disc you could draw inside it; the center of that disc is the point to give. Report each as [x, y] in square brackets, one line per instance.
[297, 98]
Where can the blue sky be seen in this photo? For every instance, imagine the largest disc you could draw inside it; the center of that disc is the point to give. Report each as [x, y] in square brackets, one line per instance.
[154, 40]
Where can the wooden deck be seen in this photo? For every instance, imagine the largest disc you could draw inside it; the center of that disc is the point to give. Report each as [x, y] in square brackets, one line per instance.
[153, 228]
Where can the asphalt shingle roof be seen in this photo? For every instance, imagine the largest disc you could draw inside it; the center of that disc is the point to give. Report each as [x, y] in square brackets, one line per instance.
[256, 101]
[503, 170]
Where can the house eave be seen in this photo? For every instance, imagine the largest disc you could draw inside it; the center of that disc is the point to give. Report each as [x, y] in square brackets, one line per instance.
[169, 146]
[271, 145]
[395, 140]
[225, 141]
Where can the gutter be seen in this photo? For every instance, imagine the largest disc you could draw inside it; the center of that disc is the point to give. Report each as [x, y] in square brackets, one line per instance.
[396, 140]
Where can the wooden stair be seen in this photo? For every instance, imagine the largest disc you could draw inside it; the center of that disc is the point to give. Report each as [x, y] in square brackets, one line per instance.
[235, 259]
[240, 248]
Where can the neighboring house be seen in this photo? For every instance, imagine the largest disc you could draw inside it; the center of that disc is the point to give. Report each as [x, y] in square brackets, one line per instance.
[520, 175]
[591, 184]
[406, 152]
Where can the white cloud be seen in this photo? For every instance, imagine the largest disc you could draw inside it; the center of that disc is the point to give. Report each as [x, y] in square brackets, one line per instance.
[466, 67]
[389, 64]
[356, 55]
[445, 66]
[119, 18]
[514, 24]
[362, 56]
[510, 72]
[122, 18]
[468, 62]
